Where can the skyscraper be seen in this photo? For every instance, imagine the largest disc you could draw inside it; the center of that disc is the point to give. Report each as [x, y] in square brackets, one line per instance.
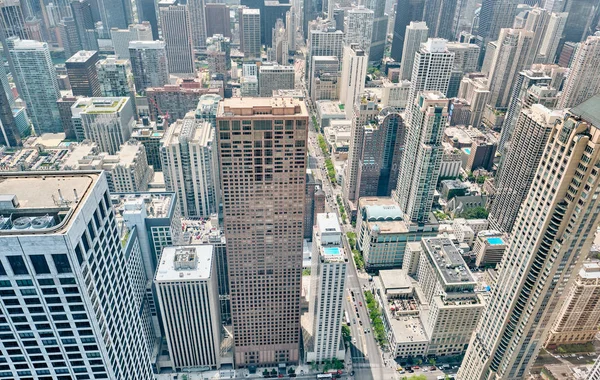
[442, 18]
[219, 17]
[380, 25]
[69, 36]
[583, 81]
[250, 32]
[263, 213]
[532, 128]
[553, 232]
[115, 77]
[416, 34]
[84, 22]
[82, 72]
[122, 37]
[149, 64]
[115, 13]
[12, 21]
[354, 74]
[38, 84]
[358, 26]
[69, 226]
[275, 77]
[495, 15]
[107, 121]
[186, 287]
[198, 23]
[189, 166]
[329, 264]
[406, 11]
[177, 34]
[324, 40]
[582, 19]
[146, 10]
[420, 165]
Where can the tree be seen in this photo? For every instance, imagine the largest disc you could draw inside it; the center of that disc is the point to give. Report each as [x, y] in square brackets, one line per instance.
[337, 364]
[432, 362]
[346, 333]
[474, 213]
[184, 377]
[274, 372]
[291, 371]
[419, 361]
[266, 372]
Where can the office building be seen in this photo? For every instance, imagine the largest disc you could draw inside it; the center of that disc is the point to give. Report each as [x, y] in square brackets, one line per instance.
[106, 121]
[199, 24]
[495, 15]
[510, 57]
[551, 239]
[147, 13]
[38, 83]
[64, 108]
[189, 163]
[358, 27]
[9, 133]
[270, 12]
[177, 34]
[532, 129]
[12, 20]
[329, 263]
[250, 42]
[380, 25]
[431, 69]
[149, 64]
[416, 34]
[411, 10]
[115, 78]
[420, 165]
[83, 76]
[218, 53]
[466, 57]
[354, 74]
[176, 100]
[266, 324]
[115, 13]
[219, 17]
[122, 37]
[442, 18]
[84, 21]
[149, 134]
[67, 29]
[60, 225]
[186, 288]
[325, 78]
[314, 203]
[577, 321]
[279, 41]
[489, 247]
[583, 81]
[548, 28]
[582, 19]
[274, 77]
[324, 40]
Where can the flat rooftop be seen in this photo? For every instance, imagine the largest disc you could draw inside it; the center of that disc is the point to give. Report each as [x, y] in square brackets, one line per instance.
[105, 105]
[590, 270]
[394, 280]
[81, 56]
[328, 223]
[57, 194]
[248, 106]
[157, 205]
[589, 110]
[448, 261]
[408, 329]
[328, 107]
[196, 266]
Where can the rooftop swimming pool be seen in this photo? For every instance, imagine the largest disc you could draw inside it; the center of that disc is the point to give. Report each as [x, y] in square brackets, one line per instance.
[495, 241]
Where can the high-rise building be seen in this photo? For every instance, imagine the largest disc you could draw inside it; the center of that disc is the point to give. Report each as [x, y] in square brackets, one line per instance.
[82, 72]
[495, 15]
[115, 13]
[9, 133]
[325, 78]
[582, 20]
[150, 134]
[67, 29]
[177, 99]
[177, 34]
[84, 21]
[115, 78]
[270, 12]
[323, 40]
[314, 203]
[186, 287]
[512, 54]
[122, 37]
[64, 108]
[218, 53]
[577, 321]
[595, 371]
[264, 256]
[60, 225]
[354, 75]
[358, 27]
[38, 84]
[279, 41]
[250, 32]
[442, 18]
[431, 69]
[199, 24]
[583, 80]
[416, 34]
[149, 64]
[406, 11]
[275, 77]
[189, 166]
[147, 13]
[291, 28]
[12, 21]
[548, 29]
[380, 25]
[466, 57]
[532, 128]
[553, 232]
[329, 267]
[107, 121]
[219, 17]
[475, 90]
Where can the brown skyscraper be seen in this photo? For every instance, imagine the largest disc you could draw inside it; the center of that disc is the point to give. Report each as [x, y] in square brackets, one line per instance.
[262, 150]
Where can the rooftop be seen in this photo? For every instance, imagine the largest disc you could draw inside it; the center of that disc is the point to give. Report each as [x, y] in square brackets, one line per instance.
[590, 270]
[328, 223]
[396, 281]
[448, 261]
[589, 110]
[246, 107]
[104, 105]
[185, 263]
[329, 107]
[157, 205]
[81, 56]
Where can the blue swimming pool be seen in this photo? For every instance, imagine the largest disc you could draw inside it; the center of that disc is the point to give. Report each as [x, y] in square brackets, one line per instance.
[467, 150]
[331, 251]
[495, 241]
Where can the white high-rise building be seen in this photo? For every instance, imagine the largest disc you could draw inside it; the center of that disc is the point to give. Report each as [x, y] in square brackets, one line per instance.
[274, 77]
[325, 78]
[358, 26]
[552, 235]
[186, 287]
[583, 80]
[431, 68]
[38, 83]
[189, 166]
[250, 32]
[354, 74]
[81, 317]
[177, 34]
[422, 157]
[122, 37]
[329, 282]
[107, 121]
[324, 40]
[197, 16]
[416, 34]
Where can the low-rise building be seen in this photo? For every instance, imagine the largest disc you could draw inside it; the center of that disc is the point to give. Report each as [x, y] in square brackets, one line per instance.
[328, 110]
[489, 247]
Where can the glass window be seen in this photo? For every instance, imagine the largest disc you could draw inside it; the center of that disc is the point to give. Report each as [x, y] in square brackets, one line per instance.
[39, 264]
[61, 261]
[17, 264]
[2, 271]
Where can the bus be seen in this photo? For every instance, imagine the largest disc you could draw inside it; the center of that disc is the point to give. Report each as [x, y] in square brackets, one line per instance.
[347, 318]
[324, 376]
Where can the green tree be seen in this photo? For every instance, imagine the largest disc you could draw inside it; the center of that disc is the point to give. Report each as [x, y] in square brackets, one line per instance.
[346, 333]
[419, 361]
[337, 364]
[291, 371]
[432, 361]
[184, 377]
[273, 372]
[474, 213]
[266, 372]
[351, 239]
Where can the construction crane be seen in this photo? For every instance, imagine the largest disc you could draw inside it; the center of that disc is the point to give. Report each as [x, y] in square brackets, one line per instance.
[160, 113]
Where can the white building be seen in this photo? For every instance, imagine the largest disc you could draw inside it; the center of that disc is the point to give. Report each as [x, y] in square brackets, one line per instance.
[354, 73]
[60, 229]
[149, 64]
[395, 94]
[177, 34]
[583, 80]
[329, 282]
[122, 37]
[358, 26]
[489, 247]
[431, 69]
[189, 166]
[416, 34]
[186, 287]
[274, 77]
[323, 40]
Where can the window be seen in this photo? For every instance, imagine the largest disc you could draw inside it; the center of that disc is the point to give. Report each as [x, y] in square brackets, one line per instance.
[61, 261]
[39, 264]
[17, 264]
[2, 271]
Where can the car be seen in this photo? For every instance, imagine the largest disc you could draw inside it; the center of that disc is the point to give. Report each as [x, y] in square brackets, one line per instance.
[360, 322]
[415, 367]
[354, 320]
[359, 303]
[354, 340]
[366, 331]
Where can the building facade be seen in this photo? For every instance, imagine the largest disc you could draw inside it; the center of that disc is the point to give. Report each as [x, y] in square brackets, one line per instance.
[176, 29]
